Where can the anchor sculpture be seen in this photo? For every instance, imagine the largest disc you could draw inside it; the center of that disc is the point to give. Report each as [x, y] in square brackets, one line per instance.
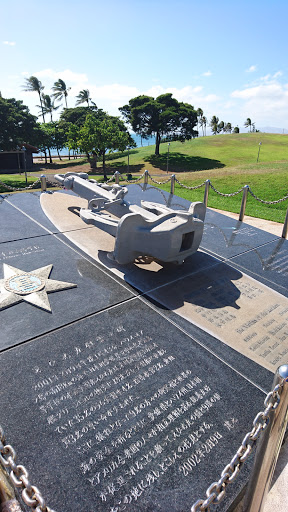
[151, 230]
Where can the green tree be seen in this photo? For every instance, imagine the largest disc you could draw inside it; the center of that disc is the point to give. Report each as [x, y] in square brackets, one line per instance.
[17, 125]
[203, 124]
[236, 129]
[78, 115]
[97, 136]
[60, 91]
[72, 136]
[48, 105]
[220, 127]
[214, 124]
[46, 141]
[59, 136]
[199, 117]
[227, 128]
[83, 96]
[248, 124]
[35, 85]
[163, 116]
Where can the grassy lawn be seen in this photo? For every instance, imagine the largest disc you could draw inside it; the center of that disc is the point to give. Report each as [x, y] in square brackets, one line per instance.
[228, 161]
[16, 181]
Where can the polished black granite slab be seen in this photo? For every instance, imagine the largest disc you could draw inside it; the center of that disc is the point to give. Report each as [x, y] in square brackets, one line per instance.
[268, 264]
[225, 237]
[124, 411]
[16, 226]
[96, 288]
[29, 204]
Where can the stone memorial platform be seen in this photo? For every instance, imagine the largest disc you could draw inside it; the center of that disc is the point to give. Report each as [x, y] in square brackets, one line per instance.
[129, 388]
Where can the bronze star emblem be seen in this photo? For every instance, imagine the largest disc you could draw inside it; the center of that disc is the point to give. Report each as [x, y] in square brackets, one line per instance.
[32, 287]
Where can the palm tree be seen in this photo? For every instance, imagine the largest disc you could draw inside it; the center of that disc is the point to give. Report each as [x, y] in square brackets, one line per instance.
[199, 117]
[214, 124]
[83, 96]
[203, 123]
[35, 85]
[48, 105]
[60, 90]
[248, 123]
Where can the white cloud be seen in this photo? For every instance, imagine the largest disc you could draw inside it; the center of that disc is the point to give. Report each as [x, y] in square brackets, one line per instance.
[266, 103]
[251, 69]
[67, 75]
[207, 73]
[9, 43]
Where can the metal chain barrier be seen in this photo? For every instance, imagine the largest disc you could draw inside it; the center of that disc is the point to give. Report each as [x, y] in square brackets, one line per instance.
[20, 478]
[110, 179]
[226, 195]
[20, 188]
[267, 202]
[132, 181]
[217, 490]
[197, 187]
[159, 182]
[189, 188]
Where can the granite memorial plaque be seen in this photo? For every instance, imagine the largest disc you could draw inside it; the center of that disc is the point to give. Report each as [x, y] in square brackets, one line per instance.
[124, 412]
[114, 403]
[226, 237]
[268, 264]
[94, 291]
[236, 309]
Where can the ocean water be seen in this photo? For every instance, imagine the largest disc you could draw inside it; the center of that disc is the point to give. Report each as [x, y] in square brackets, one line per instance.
[139, 141]
[143, 142]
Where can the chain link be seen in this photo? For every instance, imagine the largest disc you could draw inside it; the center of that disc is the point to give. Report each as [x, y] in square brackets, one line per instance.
[216, 491]
[131, 181]
[159, 182]
[189, 188]
[267, 202]
[20, 188]
[226, 195]
[110, 179]
[20, 478]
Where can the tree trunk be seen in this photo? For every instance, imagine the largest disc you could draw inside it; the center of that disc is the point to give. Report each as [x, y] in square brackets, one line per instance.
[104, 167]
[59, 154]
[158, 140]
[41, 106]
[92, 161]
[50, 157]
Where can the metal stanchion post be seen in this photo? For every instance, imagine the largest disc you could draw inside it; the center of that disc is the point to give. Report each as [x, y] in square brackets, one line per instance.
[116, 176]
[206, 192]
[43, 182]
[285, 226]
[146, 174]
[243, 204]
[268, 448]
[172, 189]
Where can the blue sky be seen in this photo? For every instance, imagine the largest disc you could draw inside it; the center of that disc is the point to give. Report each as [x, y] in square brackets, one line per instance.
[229, 58]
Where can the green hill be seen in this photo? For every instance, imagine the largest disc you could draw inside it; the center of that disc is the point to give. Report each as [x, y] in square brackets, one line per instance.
[229, 162]
[213, 152]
